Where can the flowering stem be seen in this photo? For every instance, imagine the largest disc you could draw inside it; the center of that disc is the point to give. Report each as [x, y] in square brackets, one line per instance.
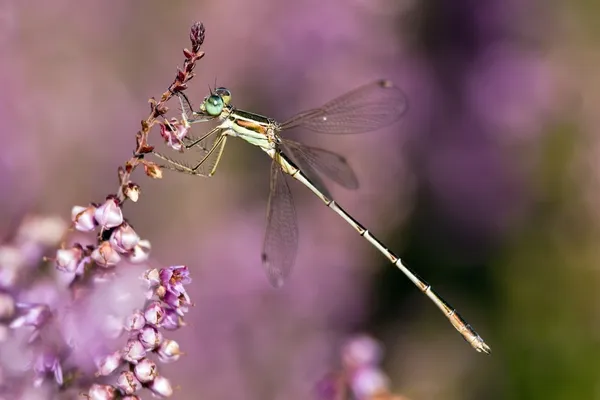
[127, 189]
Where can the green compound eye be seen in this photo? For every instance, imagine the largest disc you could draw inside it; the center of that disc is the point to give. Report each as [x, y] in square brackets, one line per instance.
[224, 93]
[213, 105]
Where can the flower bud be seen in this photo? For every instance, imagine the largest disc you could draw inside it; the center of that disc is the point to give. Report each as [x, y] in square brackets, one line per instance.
[102, 392]
[105, 255]
[135, 321]
[109, 214]
[145, 370]
[169, 351]
[132, 191]
[154, 313]
[133, 351]
[68, 260]
[141, 252]
[153, 170]
[161, 387]
[109, 364]
[128, 383]
[124, 238]
[83, 218]
[150, 337]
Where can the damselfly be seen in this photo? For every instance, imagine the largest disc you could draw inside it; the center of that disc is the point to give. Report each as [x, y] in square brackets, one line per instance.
[366, 108]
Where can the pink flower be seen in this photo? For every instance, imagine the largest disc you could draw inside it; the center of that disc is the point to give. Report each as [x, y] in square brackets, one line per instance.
[173, 133]
[109, 214]
[83, 218]
[124, 239]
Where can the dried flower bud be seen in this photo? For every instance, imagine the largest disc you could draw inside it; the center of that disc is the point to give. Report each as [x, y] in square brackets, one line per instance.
[68, 260]
[141, 252]
[132, 191]
[154, 313]
[128, 383]
[152, 169]
[135, 321]
[133, 351]
[83, 218]
[161, 387]
[109, 364]
[102, 392]
[197, 34]
[145, 370]
[187, 54]
[105, 255]
[109, 214]
[124, 238]
[150, 337]
[169, 351]
[180, 75]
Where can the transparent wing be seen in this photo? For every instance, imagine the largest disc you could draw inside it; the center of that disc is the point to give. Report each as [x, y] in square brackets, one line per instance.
[367, 108]
[324, 162]
[281, 237]
[289, 147]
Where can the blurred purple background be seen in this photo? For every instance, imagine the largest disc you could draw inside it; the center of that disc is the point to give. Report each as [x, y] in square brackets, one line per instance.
[486, 188]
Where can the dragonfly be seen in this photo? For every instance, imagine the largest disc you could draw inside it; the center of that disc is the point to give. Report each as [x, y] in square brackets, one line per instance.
[367, 108]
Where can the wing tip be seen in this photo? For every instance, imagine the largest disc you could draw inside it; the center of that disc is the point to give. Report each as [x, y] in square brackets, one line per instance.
[276, 278]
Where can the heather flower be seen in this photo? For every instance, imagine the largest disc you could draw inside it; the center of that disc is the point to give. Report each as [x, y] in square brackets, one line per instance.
[98, 319]
[152, 169]
[131, 191]
[105, 255]
[150, 337]
[127, 383]
[102, 392]
[70, 260]
[45, 363]
[172, 320]
[83, 218]
[135, 321]
[361, 374]
[140, 252]
[161, 386]
[361, 351]
[369, 382]
[169, 351]
[154, 313]
[108, 364]
[173, 133]
[174, 279]
[109, 214]
[124, 239]
[35, 315]
[145, 370]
